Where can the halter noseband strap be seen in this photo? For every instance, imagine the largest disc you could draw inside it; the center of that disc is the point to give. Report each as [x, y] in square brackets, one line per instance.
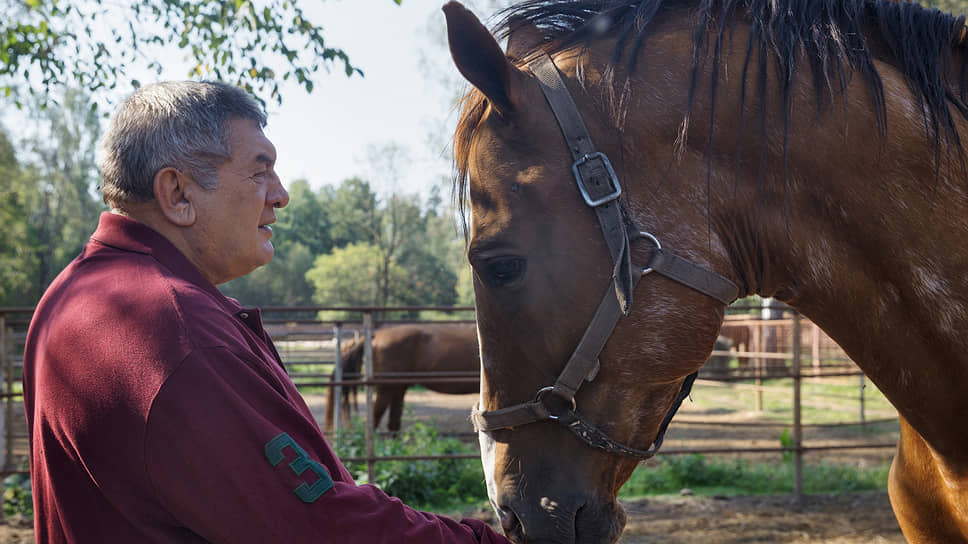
[600, 188]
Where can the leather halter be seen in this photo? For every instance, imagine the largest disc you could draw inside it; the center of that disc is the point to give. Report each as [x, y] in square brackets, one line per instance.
[601, 190]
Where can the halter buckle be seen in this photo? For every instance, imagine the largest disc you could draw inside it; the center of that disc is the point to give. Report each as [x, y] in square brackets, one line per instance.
[597, 167]
[539, 397]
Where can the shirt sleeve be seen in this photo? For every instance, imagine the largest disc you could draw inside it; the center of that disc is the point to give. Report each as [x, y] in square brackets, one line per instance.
[234, 459]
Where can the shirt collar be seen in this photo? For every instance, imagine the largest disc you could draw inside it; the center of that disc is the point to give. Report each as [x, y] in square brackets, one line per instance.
[127, 234]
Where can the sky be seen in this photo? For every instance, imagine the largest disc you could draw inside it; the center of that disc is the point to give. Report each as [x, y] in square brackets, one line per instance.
[334, 132]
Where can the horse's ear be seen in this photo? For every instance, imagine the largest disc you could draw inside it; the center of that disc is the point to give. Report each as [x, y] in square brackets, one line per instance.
[479, 57]
[524, 38]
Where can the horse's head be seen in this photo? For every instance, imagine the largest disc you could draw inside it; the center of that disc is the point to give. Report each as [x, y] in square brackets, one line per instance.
[543, 268]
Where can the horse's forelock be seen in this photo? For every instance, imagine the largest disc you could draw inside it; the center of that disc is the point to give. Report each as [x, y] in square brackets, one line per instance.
[472, 105]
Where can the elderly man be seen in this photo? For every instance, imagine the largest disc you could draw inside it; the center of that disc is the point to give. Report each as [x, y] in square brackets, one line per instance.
[158, 409]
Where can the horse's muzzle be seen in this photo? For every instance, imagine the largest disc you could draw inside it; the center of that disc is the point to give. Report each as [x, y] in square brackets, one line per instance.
[551, 522]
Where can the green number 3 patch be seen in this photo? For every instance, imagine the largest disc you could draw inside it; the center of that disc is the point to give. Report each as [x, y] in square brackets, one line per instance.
[305, 491]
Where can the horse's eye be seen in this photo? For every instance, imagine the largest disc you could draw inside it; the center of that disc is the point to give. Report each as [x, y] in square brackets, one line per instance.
[503, 271]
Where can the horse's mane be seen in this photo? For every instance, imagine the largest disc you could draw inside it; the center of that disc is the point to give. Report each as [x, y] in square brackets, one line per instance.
[841, 37]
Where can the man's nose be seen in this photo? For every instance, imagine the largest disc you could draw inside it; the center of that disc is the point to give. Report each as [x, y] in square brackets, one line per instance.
[278, 195]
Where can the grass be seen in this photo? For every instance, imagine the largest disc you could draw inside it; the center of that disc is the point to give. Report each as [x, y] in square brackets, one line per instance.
[670, 474]
[835, 400]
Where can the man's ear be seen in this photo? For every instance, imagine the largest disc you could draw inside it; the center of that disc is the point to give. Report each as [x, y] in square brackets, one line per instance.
[173, 192]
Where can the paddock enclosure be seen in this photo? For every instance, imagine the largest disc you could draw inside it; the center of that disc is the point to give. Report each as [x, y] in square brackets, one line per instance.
[788, 379]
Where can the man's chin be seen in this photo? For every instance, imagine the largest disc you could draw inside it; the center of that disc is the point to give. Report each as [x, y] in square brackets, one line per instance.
[268, 252]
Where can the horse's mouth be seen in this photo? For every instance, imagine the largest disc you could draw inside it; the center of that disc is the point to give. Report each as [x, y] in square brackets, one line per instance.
[603, 524]
[590, 524]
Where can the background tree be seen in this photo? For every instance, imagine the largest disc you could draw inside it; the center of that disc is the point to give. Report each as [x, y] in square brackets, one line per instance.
[401, 253]
[304, 220]
[48, 203]
[282, 282]
[400, 215]
[431, 253]
[327, 242]
[465, 285]
[18, 265]
[350, 276]
[951, 6]
[255, 44]
[352, 211]
[63, 205]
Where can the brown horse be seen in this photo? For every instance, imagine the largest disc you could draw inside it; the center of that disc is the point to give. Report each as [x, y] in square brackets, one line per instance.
[440, 356]
[739, 335]
[805, 150]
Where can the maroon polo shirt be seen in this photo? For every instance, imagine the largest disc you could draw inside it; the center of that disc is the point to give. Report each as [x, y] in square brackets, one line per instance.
[159, 411]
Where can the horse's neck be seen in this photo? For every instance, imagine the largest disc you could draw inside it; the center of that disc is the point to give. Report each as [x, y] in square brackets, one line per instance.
[871, 242]
[859, 231]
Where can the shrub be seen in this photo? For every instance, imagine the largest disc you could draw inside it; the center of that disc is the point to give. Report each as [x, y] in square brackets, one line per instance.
[431, 484]
[17, 498]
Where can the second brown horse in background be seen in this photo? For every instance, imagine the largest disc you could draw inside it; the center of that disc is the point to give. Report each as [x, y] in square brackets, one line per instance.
[436, 355]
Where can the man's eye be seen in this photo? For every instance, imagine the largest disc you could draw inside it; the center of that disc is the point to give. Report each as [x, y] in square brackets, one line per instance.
[504, 271]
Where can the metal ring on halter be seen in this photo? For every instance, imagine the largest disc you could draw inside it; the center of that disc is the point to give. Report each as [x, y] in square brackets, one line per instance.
[654, 241]
[541, 393]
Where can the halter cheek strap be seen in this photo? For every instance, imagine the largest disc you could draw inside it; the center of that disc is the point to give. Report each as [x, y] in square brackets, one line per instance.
[600, 188]
[594, 175]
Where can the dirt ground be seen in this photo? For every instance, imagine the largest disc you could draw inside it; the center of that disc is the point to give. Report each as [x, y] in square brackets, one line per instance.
[16, 532]
[854, 518]
[857, 518]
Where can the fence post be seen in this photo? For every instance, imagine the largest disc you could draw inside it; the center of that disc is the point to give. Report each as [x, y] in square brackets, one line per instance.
[5, 433]
[336, 392]
[368, 377]
[757, 342]
[863, 386]
[815, 346]
[797, 430]
[6, 363]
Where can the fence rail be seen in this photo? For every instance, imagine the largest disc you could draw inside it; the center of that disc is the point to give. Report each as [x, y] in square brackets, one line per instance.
[789, 348]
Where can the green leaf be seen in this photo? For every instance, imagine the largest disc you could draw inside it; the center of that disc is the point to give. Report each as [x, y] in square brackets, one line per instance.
[45, 50]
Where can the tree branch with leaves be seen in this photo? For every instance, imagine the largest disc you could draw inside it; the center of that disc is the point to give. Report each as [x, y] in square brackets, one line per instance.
[254, 44]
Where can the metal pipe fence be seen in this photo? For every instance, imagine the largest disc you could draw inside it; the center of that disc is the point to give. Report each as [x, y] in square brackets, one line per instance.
[779, 356]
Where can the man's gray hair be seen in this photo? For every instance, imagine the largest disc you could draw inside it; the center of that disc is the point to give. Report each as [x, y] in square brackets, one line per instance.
[179, 124]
